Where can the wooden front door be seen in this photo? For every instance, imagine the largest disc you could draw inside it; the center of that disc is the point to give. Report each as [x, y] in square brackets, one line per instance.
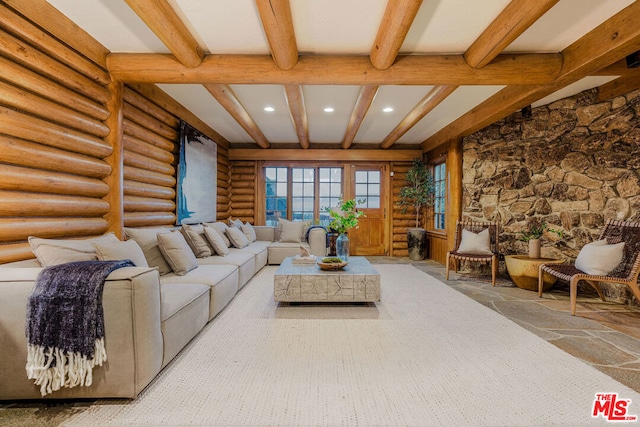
[368, 188]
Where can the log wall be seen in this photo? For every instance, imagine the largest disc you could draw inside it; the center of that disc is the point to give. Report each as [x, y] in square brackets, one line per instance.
[242, 198]
[399, 221]
[53, 108]
[80, 154]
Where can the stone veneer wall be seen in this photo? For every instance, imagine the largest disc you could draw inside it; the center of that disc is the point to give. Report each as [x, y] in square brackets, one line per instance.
[574, 163]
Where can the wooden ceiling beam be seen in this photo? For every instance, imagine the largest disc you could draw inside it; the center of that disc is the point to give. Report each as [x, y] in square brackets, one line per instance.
[345, 70]
[278, 26]
[612, 40]
[510, 23]
[167, 25]
[315, 155]
[295, 99]
[365, 98]
[618, 68]
[396, 22]
[618, 87]
[230, 102]
[427, 104]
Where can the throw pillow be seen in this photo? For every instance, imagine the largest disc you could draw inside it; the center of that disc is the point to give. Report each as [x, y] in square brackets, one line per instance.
[291, 231]
[248, 231]
[58, 251]
[177, 252]
[237, 237]
[148, 241]
[194, 235]
[598, 258]
[218, 244]
[475, 243]
[220, 227]
[235, 223]
[121, 250]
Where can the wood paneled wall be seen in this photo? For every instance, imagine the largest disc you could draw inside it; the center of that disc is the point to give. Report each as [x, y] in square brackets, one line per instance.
[150, 136]
[53, 107]
[244, 180]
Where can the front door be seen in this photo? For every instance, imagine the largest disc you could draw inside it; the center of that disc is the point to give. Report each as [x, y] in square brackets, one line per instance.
[368, 189]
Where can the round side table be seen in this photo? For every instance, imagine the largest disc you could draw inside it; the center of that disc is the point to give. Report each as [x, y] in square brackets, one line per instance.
[524, 271]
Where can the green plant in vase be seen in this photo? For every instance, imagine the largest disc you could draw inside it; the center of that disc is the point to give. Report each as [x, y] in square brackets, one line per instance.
[344, 219]
[533, 236]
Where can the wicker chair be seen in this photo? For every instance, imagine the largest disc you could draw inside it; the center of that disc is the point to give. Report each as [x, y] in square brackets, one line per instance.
[454, 256]
[625, 273]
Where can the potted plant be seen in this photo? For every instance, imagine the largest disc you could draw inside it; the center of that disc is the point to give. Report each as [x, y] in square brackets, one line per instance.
[343, 220]
[417, 193]
[534, 234]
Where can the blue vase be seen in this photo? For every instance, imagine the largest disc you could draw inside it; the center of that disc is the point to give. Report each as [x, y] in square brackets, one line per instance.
[342, 247]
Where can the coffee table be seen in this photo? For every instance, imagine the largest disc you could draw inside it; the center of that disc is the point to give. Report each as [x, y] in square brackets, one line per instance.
[357, 282]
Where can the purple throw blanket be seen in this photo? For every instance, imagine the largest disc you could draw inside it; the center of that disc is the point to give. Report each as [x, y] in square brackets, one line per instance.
[65, 324]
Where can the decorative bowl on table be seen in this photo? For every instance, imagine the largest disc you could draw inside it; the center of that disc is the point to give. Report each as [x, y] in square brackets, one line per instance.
[331, 263]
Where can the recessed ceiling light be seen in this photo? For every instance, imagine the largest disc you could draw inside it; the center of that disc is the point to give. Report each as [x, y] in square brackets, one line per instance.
[387, 109]
[329, 110]
[269, 109]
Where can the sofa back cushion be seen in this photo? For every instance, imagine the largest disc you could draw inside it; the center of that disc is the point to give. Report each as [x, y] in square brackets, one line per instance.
[292, 231]
[194, 235]
[57, 251]
[147, 238]
[121, 250]
[177, 252]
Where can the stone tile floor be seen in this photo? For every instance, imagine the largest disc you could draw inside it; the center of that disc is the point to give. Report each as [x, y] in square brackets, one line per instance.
[604, 334]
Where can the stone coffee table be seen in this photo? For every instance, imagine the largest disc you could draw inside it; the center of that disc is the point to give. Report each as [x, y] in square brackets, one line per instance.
[357, 282]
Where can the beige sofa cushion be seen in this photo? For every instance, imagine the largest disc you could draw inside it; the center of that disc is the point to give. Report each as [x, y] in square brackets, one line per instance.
[221, 228]
[237, 237]
[248, 231]
[216, 241]
[291, 231]
[194, 235]
[147, 238]
[121, 250]
[177, 252]
[57, 251]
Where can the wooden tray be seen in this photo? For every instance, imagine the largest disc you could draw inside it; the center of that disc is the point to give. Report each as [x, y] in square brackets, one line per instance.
[331, 266]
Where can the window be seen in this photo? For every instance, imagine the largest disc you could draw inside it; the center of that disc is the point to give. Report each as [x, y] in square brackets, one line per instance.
[276, 194]
[368, 189]
[291, 193]
[439, 202]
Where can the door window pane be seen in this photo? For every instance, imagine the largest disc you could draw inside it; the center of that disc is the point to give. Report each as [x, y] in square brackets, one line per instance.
[368, 189]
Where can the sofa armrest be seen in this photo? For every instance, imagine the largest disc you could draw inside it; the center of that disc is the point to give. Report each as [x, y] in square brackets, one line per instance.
[265, 233]
[133, 338]
[318, 242]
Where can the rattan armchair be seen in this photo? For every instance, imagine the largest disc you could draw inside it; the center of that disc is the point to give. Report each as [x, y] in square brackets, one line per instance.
[455, 255]
[625, 273]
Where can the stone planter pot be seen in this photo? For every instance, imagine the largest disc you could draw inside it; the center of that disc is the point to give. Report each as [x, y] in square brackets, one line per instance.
[523, 271]
[417, 243]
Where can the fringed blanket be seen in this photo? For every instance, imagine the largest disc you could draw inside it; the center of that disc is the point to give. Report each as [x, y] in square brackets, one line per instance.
[65, 324]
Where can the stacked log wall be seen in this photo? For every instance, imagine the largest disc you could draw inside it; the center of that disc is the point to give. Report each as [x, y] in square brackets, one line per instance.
[150, 144]
[242, 198]
[399, 221]
[53, 108]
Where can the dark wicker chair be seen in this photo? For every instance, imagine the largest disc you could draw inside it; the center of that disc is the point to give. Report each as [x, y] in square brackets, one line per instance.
[455, 256]
[625, 273]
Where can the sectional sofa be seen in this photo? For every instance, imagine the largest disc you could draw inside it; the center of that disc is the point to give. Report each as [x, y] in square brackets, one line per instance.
[150, 314]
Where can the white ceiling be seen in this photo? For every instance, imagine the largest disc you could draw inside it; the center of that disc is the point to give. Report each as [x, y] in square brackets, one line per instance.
[337, 27]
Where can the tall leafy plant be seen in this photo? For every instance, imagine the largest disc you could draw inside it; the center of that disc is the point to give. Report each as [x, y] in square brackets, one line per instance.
[418, 191]
[346, 218]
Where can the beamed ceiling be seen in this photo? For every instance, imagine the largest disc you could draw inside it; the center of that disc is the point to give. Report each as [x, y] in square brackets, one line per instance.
[446, 67]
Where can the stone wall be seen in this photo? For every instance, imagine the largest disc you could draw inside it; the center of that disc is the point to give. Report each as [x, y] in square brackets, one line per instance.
[574, 163]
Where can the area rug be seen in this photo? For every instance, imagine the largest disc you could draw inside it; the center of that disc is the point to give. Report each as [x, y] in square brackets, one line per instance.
[425, 355]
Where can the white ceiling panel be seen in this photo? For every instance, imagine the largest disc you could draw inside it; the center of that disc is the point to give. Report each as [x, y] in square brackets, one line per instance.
[450, 26]
[113, 24]
[458, 103]
[277, 125]
[336, 26]
[226, 26]
[329, 127]
[572, 89]
[378, 124]
[565, 23]
[201, 103]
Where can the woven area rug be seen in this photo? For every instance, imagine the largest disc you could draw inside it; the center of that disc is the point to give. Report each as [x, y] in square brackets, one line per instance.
[425, 355]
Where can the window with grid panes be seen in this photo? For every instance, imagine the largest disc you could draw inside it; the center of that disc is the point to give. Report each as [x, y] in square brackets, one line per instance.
[302, 194]
[276, 179]
[368, 189]
[330, 189]
[439, 201]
